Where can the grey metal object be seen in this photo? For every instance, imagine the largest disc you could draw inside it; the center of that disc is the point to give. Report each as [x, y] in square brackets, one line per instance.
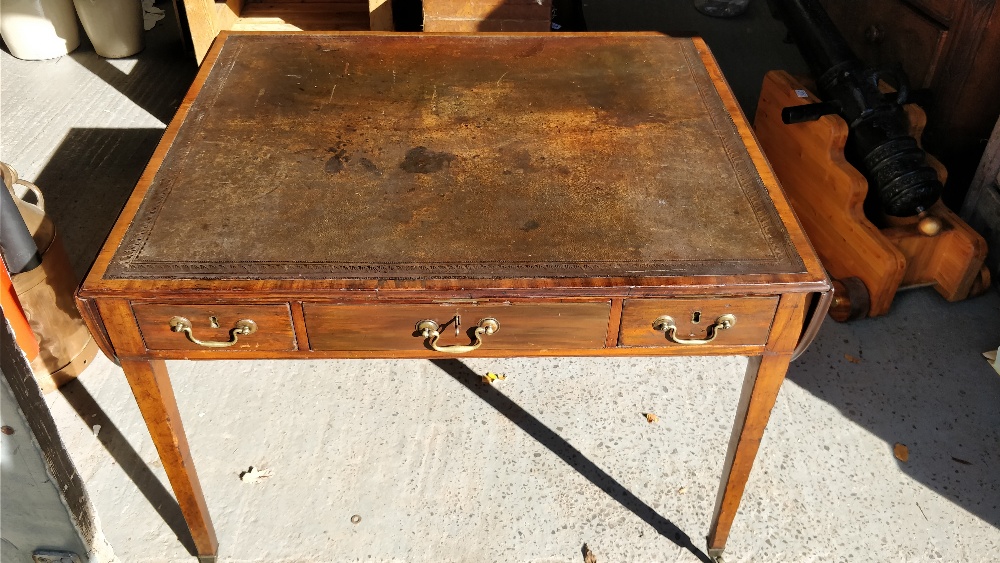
[879, 139]
[20, 252]
[44, 505]
[45, 556]
[721, 8]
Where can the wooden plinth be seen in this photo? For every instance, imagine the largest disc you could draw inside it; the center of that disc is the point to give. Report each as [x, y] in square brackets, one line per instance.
[828, 194]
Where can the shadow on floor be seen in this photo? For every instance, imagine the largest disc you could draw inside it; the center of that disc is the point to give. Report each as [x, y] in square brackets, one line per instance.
[918, 378]
[144, 85]
[90, 176]
[919, 381]
[158, 76]
[132, 464]
[87, 182]
[746, 46]
[566, 452]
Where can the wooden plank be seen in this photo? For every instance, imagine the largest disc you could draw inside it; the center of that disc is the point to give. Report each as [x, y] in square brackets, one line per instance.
[330, 9]
[203, 23]
[305, 16]
[227, 13]
[380, 15]
[469, 25]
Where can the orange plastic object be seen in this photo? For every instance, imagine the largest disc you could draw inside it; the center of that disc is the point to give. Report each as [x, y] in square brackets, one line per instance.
[15, 315]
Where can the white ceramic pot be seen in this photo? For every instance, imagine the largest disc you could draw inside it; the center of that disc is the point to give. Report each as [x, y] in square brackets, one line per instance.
[113, 26]
[39, 29]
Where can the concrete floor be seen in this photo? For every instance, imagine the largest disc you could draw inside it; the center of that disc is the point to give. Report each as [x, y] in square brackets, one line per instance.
[441, 467]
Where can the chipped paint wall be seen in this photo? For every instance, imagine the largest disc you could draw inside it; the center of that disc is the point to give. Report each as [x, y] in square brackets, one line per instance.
[33, 514]
[42, 500]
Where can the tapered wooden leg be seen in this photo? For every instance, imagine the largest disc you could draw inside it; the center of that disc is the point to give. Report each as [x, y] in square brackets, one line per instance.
[760, 389]
[155, 396]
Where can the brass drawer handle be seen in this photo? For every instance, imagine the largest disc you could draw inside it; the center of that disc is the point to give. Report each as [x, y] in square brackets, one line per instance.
[241, 328]
[429, 330]
[665, 324]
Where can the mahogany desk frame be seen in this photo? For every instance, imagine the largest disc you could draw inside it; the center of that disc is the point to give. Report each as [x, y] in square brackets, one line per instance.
[116, 310]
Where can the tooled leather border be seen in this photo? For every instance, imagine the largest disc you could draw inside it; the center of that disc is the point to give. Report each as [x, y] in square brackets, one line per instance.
[127, 263]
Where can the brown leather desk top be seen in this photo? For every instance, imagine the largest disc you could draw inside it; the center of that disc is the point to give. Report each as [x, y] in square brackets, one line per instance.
[420, 156]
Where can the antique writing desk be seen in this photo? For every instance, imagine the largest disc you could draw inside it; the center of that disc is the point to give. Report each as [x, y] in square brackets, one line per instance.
[422, 196]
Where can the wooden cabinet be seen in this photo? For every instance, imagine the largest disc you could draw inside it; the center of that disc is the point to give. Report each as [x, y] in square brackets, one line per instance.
[951, 47]
[893, 32]
[982, 206]
[487, 15]
[206, 19]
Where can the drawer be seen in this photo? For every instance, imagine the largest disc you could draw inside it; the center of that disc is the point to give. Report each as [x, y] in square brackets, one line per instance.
[522, 326]
[940, 10]
[693, 318]
[215, 323]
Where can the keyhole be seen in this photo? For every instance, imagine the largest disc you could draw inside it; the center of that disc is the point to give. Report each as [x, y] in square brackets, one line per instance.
[696, 317]
[213, 322]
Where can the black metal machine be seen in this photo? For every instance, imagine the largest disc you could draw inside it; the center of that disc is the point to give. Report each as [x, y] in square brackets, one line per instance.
[879, 139]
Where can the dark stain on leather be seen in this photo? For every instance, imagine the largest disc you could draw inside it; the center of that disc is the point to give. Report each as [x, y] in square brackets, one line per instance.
[533, 49]
[530, 225]
[420, 160]
[369, 166]
[335, 164]
[518, 159]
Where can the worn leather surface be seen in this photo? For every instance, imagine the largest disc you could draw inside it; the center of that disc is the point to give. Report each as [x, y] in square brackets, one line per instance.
[427, 156]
